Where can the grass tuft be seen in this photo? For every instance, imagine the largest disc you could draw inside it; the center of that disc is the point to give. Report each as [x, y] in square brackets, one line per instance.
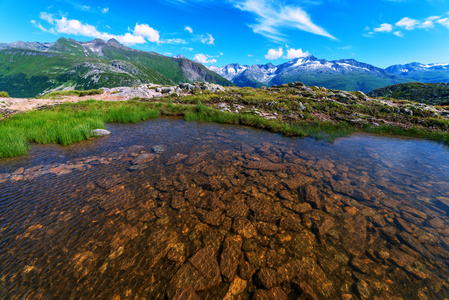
[4, 95]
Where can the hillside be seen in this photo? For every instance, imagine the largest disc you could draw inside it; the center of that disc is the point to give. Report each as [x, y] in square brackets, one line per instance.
[428, 93]
[28, 69]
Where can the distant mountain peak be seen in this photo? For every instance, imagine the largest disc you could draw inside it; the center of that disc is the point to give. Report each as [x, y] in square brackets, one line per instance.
[344, 74]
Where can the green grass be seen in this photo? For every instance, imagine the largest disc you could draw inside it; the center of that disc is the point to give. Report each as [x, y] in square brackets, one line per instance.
[72, 122]
[66, 124]
[437, 136]
[73, 93]
[4, 95]
[319, 130]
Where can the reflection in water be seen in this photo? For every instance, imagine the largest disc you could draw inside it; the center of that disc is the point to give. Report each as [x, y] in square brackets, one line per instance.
[172, 209]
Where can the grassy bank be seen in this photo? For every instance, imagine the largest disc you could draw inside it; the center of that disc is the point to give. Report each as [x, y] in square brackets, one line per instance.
[297, 111]
[72, 122]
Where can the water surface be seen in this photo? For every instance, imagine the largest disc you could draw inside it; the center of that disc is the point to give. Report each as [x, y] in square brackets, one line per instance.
[166, 208]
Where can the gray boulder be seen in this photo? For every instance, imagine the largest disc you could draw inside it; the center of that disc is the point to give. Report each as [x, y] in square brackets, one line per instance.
[99, 132]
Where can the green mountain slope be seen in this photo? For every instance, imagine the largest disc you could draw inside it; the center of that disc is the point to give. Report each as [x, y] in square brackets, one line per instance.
[429, 93]
[85, 65]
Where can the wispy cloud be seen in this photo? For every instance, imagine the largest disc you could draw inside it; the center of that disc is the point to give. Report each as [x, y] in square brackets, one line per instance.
[208, 39]
[174, 41]
[444, 22]
[105, 10]
[272, 17]
[189, 29]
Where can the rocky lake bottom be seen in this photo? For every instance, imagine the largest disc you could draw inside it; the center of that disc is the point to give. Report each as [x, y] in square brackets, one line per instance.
[166, 209]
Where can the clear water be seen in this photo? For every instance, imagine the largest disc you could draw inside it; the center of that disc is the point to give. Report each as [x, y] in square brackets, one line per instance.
[118, 218]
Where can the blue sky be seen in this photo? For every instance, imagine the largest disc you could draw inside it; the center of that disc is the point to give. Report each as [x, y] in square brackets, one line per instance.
[378, 32]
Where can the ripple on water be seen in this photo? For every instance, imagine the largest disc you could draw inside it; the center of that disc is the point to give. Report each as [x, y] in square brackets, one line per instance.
[167, 208]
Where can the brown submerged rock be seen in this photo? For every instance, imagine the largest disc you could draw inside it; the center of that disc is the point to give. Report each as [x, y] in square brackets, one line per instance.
[266, 277]
[264, 166]
[274, 294]
[230, 257]
[201, 272]
[143, 158]
[184, 293]
[246, 270]
[244, 227]
[176, 159]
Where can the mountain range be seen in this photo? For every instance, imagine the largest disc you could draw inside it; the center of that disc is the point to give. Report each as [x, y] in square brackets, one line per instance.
[31, 68]
[343, 74]
[28, 69]
[427, 73]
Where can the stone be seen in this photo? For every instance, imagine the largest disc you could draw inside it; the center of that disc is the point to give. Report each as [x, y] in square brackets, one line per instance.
[363, 289]
[246, 270]
[143, 158]
[99, 132]
[307, 292]
[158, 148]
[176, 159]
[184, 293]
[291, 222]
[273, 294]
[237, 287]
[201, 272]
[230, 257]
[266, 277]
[244, 227]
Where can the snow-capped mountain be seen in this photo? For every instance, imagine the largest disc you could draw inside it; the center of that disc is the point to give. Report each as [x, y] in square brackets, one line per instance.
[427, 73]
[229, 71]
[27, 45]
[345, 74]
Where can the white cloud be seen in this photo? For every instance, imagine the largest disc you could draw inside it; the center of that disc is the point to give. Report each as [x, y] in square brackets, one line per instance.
[207, 39]
[274, 54]
[398, 33]
[444, 22]
[407, 23]
[146, 31]
[189, 29]
[85, 7]
[345, 48]
[105, 10]
[204, 59]
[250, 55]
[188, 49]
[427, 24]
[142, 33]
[295, 53]
[385, 27]
[272, 17]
